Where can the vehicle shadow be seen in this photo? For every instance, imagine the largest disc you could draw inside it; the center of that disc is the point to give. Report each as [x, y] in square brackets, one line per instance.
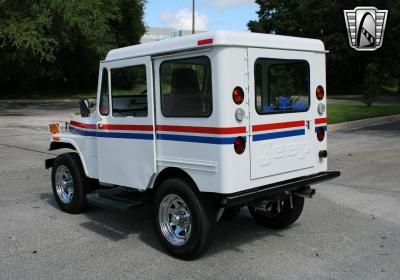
[117, 225]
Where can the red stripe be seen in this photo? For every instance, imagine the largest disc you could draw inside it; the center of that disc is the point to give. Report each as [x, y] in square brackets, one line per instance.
[270, 126]
[321, 120]
[173, 128]
[83, 125]
[126, 127]
[200, 129]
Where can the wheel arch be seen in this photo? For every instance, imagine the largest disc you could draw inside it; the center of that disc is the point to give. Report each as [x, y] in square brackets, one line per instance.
[61, 145]
[70, 144]
[172, 172]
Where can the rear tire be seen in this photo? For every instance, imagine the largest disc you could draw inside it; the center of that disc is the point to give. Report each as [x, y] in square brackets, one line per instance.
[183, 218]
[285, 218]
[69, 183]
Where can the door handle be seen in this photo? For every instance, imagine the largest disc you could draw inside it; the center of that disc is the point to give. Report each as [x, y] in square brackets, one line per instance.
[308, 124]
[99, 125]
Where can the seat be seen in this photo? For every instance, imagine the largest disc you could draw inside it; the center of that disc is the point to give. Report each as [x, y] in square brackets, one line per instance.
[185, 98]
[184, 81]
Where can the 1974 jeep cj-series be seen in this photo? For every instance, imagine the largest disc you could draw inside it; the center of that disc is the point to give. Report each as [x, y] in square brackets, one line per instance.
[200, 126]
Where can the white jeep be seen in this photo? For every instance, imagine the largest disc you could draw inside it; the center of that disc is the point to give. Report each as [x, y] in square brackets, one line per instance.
[200, 126]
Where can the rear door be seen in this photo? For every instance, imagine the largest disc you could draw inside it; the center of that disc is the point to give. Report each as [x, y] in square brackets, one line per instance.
[280, 111]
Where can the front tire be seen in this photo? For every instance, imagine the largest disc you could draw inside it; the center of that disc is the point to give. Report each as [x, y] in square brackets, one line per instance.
[279, 220]
[183, 219]
[69, 183]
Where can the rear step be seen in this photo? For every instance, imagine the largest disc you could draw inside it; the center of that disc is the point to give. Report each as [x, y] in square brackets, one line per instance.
[112, 199]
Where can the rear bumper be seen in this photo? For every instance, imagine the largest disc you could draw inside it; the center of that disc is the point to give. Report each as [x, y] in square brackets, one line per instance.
[277, 189]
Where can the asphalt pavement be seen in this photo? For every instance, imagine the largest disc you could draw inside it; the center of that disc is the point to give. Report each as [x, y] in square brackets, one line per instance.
[350, 230]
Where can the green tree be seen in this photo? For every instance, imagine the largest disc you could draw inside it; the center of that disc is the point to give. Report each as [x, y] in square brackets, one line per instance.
[324, 20]
[371, 84]
[25, 41]
[57, 43]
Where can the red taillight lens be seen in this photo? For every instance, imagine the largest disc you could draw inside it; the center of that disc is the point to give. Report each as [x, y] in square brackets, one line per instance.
[320, 92]
[238, 95]
[239, 145]
[320, 133]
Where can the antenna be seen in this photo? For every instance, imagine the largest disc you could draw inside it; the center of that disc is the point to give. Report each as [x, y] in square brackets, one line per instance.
[193, 17]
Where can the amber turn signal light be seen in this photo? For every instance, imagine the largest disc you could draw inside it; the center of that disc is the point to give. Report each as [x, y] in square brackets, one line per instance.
[54, 128]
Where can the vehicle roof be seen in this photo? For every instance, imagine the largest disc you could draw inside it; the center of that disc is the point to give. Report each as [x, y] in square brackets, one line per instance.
[219, 38]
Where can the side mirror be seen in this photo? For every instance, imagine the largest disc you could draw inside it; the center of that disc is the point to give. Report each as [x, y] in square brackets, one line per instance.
[84, 108]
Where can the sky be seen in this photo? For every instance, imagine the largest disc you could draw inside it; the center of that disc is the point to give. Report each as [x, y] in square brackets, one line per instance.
[211, 15]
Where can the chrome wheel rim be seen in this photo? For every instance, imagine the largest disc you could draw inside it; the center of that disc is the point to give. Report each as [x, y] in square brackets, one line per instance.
[175, 220]
[64, 184]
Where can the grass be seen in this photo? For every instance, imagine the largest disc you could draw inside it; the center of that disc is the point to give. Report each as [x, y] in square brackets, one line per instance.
[338, 113]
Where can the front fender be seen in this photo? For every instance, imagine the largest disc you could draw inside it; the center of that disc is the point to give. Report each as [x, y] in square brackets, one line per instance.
[73, 142]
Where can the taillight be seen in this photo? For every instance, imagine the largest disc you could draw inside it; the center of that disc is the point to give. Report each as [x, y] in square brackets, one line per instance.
[238, 95]
[320, 134]
[239, 145]
[320, 92]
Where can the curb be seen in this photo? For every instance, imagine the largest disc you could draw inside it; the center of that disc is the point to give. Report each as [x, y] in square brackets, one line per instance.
[363, 123]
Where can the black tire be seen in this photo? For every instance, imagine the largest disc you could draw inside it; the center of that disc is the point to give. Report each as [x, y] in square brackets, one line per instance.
[202, 218]
[230, 213]
[81, 183]
[285, 218]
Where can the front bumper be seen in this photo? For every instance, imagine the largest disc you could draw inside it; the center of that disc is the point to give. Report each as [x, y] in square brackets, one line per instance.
[278, 189]
[48, 163]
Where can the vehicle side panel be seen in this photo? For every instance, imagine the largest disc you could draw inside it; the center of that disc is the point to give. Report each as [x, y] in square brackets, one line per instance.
[203, 147]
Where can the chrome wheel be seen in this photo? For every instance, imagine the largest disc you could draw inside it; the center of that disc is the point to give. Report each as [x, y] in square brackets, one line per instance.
[175, 219]
[64, 184]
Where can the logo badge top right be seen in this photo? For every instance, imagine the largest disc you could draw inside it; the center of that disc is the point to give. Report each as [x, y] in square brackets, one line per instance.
[365, 27]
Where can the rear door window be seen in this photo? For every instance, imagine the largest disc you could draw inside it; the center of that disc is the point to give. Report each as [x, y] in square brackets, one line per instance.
[282, 85]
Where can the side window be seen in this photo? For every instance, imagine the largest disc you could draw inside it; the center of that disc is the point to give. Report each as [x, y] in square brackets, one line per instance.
[104, 105]
[282, 85]
[186, 87]
[129, 91]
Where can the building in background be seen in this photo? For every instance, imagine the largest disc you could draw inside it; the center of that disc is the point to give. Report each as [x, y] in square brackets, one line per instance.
[157, 34]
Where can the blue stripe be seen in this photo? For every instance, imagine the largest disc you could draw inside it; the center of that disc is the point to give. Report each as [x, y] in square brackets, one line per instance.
[142, 136]
[281, 134]
[324, 127]
[82, 132]
[196, 139]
